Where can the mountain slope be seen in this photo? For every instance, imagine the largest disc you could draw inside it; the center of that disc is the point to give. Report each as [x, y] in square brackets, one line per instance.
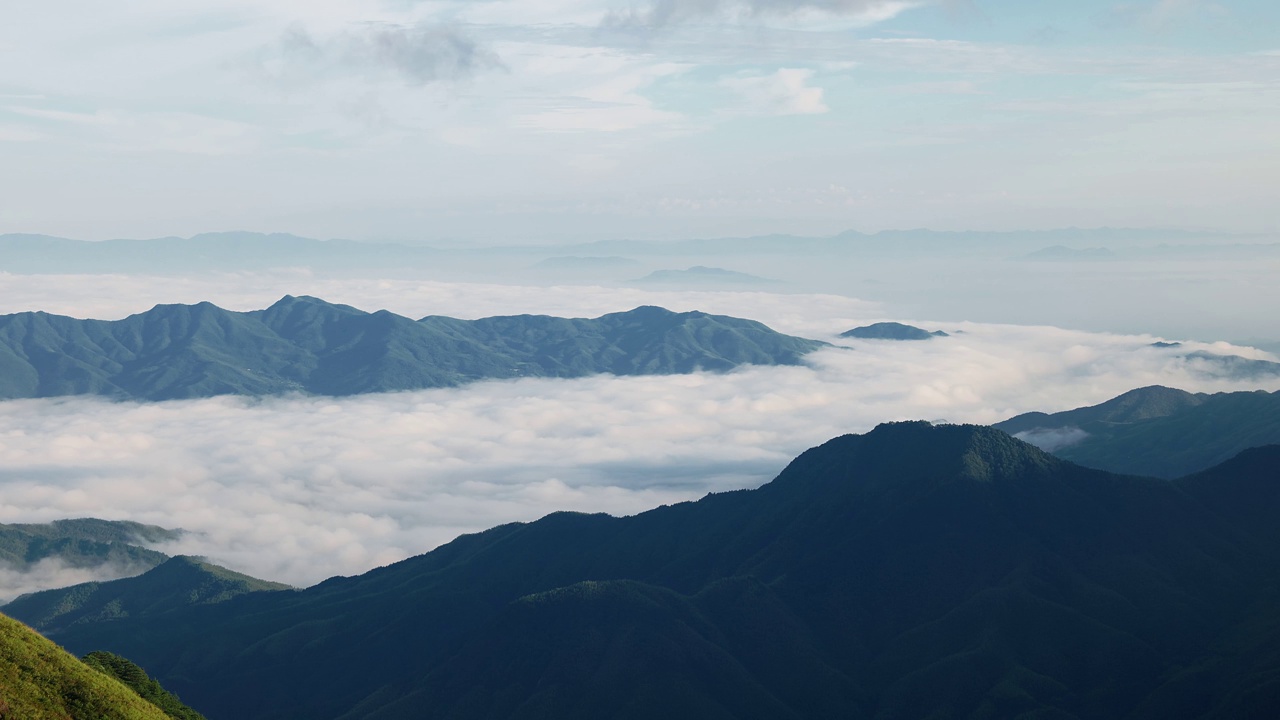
[178, 582]
[1156, 431]
[136, 679]
[40, 681]
[915, 571]
[83, 542]
[307, 345]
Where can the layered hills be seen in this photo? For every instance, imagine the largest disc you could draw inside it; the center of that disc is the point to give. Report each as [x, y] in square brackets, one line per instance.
[1157, 431]
[176, 583]
[83, 542]
[37, 556]
[914, 571]
[303, 344]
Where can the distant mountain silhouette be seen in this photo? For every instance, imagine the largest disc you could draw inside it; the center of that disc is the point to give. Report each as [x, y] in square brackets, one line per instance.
[702, 275]
[891, 331]
[303, 344]
[1062, 253]
[1156, 430]
[915, 571]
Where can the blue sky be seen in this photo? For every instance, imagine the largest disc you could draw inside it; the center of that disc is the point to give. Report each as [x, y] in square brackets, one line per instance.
[509, 121]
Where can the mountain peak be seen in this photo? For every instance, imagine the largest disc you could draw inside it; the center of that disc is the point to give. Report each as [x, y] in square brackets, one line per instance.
[911, 457]
[891, 331]
[977, 452]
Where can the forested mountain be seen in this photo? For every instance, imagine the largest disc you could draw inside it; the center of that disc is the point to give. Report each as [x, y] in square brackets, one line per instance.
[915, 571]
[178, 582]
[82, 542]
[302, 344]
[1157, 431]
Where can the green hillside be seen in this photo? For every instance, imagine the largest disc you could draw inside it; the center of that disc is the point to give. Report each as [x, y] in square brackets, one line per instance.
[915, 571]
[40, 681]
[178, 582]
[307, 345]
[1156, 431]
[83, 543]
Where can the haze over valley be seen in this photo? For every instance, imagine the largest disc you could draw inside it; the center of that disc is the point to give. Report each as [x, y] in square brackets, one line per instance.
[582, 359]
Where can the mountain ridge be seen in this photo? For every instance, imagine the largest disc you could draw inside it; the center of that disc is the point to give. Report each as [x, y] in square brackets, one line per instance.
[873, 568]
[304, 344]
[1158, 431]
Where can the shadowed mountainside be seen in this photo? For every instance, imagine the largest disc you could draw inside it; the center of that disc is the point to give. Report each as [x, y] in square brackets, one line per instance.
[1155, 430]
[137, 680]
[915, 571]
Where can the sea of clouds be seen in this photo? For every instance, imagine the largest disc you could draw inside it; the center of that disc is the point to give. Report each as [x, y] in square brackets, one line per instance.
[301, 488]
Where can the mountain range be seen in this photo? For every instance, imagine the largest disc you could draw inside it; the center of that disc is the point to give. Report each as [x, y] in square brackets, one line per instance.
[230, 251]
[303, 344]
[1157, 431]
[914, 571]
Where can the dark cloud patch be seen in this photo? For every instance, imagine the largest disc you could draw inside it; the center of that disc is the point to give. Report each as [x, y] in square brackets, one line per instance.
[418, 54]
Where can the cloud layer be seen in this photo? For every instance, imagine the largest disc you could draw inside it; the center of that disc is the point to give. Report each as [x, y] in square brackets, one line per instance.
[298, 489]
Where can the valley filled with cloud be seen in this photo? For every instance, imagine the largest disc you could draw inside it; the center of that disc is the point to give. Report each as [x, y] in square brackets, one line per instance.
[300, 488]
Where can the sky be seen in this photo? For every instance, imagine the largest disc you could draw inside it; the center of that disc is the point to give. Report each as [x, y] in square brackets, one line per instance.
[513, 121]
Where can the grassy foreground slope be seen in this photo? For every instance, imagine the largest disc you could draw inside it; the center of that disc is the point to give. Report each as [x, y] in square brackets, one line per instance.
[41, 681]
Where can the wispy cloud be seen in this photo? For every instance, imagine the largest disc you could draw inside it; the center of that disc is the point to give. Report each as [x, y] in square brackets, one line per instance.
[658, 14]
[419, 54]
[784, 92]
[52, 572]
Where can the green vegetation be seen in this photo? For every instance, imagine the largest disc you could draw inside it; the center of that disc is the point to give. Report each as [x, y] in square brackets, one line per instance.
[1156, 431]
[40, 681]
[178, 582]
[136, 679]
[307, 345]
[83, 542]
[915, 571]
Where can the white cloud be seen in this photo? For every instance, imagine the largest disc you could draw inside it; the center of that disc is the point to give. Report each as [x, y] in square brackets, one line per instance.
[785, 92]
[296, 489]
[589, 88]
[53, 572]
[657, 14]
